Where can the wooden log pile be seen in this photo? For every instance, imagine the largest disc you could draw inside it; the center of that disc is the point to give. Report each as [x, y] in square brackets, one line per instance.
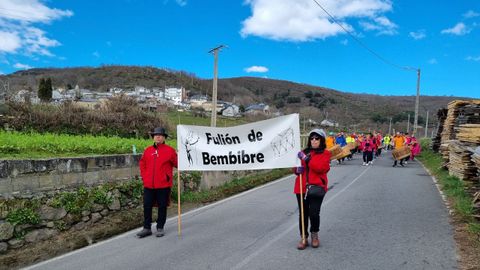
[441, 115]
[476, 161]
[469, 133]
[460, 162]
[468, 114]
[459, 112]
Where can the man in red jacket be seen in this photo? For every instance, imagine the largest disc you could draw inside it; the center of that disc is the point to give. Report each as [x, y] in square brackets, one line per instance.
[156, 169]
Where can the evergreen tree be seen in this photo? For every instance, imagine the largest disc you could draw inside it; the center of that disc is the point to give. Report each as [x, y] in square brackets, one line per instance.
[48, 85]
[45, 90]
[41, 89]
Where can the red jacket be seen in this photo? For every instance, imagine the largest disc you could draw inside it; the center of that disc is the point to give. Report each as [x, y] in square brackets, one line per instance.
[156, 166]
[318, 168]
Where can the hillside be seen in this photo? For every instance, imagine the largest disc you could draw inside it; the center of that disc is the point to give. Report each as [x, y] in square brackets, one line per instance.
[318, 103]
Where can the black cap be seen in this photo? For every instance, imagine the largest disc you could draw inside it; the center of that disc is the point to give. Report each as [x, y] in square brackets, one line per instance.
[159, 131]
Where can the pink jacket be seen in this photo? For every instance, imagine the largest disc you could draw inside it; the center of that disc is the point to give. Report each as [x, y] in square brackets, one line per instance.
[367, 145]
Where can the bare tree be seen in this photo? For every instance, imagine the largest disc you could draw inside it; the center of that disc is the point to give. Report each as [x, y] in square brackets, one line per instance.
[4, 89]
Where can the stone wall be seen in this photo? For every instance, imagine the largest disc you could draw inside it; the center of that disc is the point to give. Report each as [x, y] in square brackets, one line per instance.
[34, 176]
[40, 198]
[43, 215]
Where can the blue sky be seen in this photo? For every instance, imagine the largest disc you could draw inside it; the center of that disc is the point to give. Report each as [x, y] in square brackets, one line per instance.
[278, 39]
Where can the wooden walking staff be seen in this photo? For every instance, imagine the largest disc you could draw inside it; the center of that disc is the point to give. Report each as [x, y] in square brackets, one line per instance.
[179, 220]
[301, 209]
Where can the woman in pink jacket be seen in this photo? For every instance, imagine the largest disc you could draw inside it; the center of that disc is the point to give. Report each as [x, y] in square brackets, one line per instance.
[415, 147]
[368, 147]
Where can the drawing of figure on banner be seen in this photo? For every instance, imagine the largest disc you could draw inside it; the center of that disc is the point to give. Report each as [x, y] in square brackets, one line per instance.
[283, 143]
[188, 142]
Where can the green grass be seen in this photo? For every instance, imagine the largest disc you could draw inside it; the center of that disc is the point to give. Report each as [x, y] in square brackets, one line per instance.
[453, 187]
[17, 145]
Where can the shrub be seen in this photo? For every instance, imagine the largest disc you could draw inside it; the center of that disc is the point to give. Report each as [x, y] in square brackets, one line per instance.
[23, 216]
[120, 116]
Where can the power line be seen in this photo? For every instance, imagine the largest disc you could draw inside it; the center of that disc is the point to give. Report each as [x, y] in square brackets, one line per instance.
[363, 44]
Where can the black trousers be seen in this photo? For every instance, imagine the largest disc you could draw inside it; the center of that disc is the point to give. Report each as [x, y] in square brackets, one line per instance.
[367, 156]
[161, 196]
[311, 210]
[401, 161]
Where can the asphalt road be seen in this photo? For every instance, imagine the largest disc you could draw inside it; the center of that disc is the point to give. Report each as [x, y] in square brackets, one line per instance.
[374, 217]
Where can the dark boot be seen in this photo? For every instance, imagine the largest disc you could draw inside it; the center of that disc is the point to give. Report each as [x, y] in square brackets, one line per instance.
[144, 232]
[302, 244]
[315, 241]
[160, 232]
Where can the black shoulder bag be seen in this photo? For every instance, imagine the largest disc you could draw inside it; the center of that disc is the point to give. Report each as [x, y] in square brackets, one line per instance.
[313, 191]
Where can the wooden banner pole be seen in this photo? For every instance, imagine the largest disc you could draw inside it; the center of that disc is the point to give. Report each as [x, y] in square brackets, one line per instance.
[301, 209]
[179, 220]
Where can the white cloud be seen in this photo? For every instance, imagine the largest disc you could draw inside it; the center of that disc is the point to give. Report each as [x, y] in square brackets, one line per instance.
[344, 42]
[22, 66]
[10, 42]
[420, 34]
[471, 14]
[259, 69]
[30, 11]
[303, 20]
[382, 25]
[96, 54]
[459, 29]
[473, 58]
[433, 61]
[16, 23]
[181, 3]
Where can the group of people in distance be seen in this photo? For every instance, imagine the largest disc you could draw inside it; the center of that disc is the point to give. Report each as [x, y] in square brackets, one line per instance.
[311, 182]
[315, 165]
[371, 145]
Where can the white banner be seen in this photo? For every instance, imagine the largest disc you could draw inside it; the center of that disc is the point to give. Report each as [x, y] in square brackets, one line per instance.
[268, 144]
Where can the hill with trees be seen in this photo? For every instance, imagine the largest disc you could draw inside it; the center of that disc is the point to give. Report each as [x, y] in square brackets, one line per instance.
[314, 102]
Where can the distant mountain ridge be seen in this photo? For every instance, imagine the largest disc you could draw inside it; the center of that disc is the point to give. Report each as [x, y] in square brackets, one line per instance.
[311, 101]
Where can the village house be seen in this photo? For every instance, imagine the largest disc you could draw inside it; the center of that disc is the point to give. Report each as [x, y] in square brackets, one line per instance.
[177, 95]
[230, 110]
[328, 123]
[256, 109]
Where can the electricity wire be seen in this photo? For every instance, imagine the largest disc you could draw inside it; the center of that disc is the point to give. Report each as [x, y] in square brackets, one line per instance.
[383, 59]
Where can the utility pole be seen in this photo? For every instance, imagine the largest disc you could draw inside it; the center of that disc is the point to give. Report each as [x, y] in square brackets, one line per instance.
[408, 124]
[426, 126]
[415, 122]
[390, 126]
[213, 122]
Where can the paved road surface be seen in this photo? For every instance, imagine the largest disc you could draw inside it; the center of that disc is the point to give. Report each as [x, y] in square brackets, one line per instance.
[375, 217]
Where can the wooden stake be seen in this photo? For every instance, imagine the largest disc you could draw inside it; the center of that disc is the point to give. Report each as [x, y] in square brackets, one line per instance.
[179, 220]
[301, 208]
